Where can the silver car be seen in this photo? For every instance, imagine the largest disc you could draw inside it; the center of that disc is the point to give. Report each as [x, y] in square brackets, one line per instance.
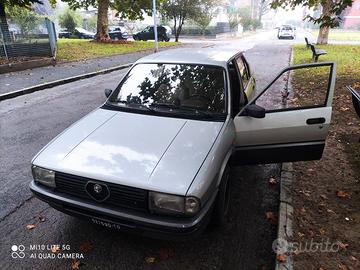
[155, 158]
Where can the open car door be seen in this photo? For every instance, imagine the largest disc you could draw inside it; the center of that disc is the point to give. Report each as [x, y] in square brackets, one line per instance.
[289, 120]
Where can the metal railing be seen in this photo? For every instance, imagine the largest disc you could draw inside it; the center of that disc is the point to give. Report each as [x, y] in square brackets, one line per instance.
[39, 40]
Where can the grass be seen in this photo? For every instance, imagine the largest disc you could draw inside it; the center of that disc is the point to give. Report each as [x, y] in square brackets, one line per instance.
[341, 35]
[346, 57]
[78, 49]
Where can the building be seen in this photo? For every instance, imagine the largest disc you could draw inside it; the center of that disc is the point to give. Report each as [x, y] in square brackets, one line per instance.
[351, 17]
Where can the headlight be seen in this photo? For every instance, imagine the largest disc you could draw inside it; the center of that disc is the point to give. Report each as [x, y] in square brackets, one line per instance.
[172, 204]
[43, 176]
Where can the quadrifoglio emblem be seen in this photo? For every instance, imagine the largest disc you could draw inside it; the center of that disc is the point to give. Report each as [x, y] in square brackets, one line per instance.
[44, 252]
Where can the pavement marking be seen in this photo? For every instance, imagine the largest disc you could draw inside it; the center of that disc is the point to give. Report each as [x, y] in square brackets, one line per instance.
[47, 85]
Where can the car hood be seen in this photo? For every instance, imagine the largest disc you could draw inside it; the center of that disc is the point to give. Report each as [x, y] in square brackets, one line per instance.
[150, 152]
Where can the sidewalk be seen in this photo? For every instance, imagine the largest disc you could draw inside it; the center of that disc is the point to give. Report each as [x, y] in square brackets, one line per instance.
[18, 80]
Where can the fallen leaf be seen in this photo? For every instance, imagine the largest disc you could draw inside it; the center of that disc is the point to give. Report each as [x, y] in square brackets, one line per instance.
[300, 234]
[322, 231]
[320, 268]
[281, 258]
[150, 260]
[55, 248]
[344, 109]
[272, 180]
[75, 265]
[271, 218]
[30, 226]
[41, 219]
[330, 211]
[353, 258]
[302, 210]
[86, 247]
[343, 267]
[323, 196]
[343, 246]
[341, 194]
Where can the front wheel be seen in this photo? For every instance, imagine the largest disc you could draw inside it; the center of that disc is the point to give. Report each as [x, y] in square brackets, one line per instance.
[222, 204]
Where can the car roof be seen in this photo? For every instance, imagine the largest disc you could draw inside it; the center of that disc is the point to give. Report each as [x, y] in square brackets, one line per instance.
[205, 56]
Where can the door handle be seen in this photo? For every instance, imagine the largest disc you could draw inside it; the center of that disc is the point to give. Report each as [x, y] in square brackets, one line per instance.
[313, 121]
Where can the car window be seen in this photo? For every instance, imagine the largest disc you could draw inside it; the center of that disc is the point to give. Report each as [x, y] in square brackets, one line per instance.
[243, 71]
[179, 85]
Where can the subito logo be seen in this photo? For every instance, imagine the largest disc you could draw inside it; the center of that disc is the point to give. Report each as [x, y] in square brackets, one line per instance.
[17, 252]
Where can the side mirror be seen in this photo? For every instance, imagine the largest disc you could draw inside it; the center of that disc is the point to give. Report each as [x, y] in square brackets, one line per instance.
[255, 111]
[108, 92]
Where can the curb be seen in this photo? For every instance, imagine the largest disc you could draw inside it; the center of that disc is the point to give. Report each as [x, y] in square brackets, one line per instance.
[286, 210]
[43, 86]
[6, 68]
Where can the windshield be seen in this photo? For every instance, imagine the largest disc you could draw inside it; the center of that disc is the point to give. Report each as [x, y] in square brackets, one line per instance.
[173, 87]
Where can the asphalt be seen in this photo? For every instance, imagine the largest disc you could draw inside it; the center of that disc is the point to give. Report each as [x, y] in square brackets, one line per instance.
[29, 122]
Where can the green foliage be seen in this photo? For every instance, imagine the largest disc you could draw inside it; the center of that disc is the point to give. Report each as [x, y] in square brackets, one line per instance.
[181, 10]
[126, 8]
[331, 14]
[24, 18]
[244, 11]
[69, 19]
[19, 3]
[250, 24]
[89, 23]
[203, 18]
[234, 20]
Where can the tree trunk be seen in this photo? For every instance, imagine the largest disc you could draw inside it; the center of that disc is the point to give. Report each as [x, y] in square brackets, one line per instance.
[178, 31]
[102, 21]
[324, 29]
[175, 28]
[323, 35]
[4, 29]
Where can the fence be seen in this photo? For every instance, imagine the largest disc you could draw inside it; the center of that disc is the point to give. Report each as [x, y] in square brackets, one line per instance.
[35, 39]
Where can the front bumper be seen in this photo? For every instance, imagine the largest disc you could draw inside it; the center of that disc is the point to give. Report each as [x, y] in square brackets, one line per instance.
[126, 220]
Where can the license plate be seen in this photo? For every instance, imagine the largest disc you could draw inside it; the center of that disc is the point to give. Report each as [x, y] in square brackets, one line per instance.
[106, 224]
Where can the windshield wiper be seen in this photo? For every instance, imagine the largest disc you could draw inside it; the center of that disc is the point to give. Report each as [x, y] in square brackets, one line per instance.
[183, 108]
[133, 104]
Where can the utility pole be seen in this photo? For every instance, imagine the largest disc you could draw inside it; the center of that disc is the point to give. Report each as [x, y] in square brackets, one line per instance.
[155, 26]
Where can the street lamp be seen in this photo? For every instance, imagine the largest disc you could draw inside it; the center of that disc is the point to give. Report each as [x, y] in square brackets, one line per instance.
[155, 26]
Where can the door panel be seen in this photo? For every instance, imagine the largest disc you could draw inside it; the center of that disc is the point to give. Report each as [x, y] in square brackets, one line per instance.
[282, 127]
[285, 134]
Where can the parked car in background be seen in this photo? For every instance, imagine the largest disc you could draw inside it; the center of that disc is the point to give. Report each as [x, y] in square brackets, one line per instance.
[155, 157]
[83, 33]
[64, 33]
[287, 31]
[148, 34]
[118, 33]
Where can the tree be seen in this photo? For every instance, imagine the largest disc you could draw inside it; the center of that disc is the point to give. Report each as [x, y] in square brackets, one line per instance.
[25, 19]
[4, 27]
[126, 9]
[264, 7]
[234, 20]
[181, 10]
[203, 19]
[330, 16]
[89, 23]
[69, 19]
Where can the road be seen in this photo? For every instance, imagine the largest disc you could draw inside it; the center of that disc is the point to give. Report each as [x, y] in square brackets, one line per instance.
[29, 122]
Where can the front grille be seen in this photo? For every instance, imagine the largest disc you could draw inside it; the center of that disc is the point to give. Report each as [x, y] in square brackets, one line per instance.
[120, 196]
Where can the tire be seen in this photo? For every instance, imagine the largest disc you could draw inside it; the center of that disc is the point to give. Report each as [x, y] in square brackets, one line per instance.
[222, 203]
